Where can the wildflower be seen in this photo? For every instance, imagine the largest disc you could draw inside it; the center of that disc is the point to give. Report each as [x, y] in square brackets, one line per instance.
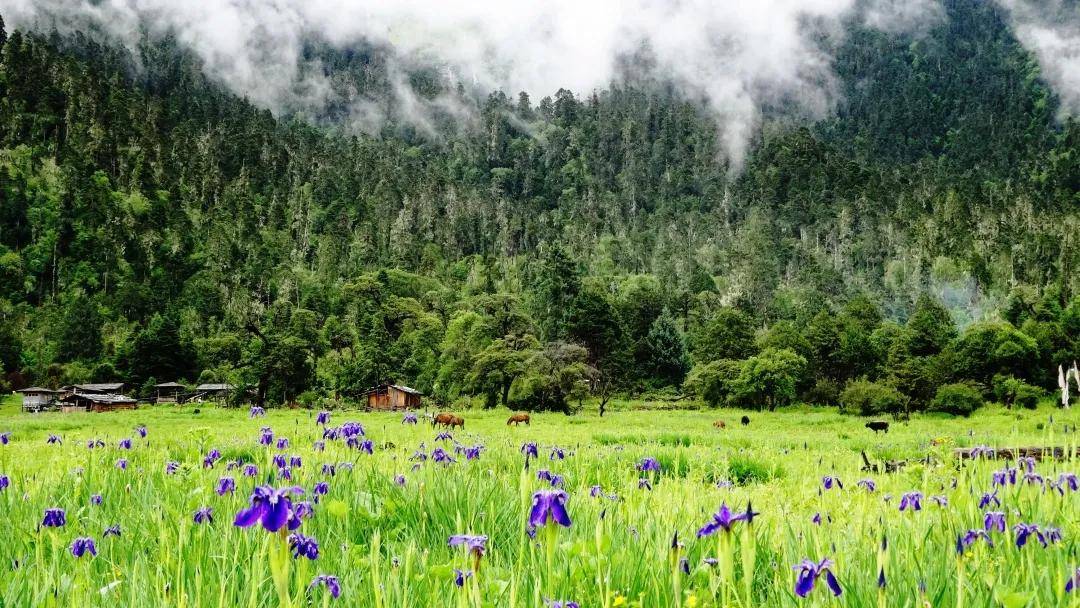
[969, 538]
[549, 505]
[722, 520]
[440, 455]
[366, 446]
[303, 546]
[319, 446]
[868, 484]
[323, 417]
[328, 469]
[1053, 535]
[1027, 462]
[529, 449]
[331, 433]
[94, 443]
[250, 470]
[829, 480]
[204, 515]
[460, 576]
[272, 507]
[54, 518]
[941, 501]
[473, 453]
[283, 443]
[5, 437]
[408, 418]
[121, 463]
[994, 520]
[988, 498]
[476, 544]
[1073, 582]
[912, 500]
[596, 491]
[444, 436]
[171, 467]
[226, 485]
[816, 519]
[1004, 476]
[399, 480]
[557, 453]
[125, 444]
[141, 430]
[95, 499]
[1034, 479]
[266, 436]
[5, 481]
[1024, 531]
[648, 464]
[642, 484]
[1069, 480]
[321, 488]
[981, 451]
[278, 461]
[111, 531]
[352, 429]
[83, 545]
[328, 581]
[561, 604]
[54, 439]
[303, 510]
[809, 572]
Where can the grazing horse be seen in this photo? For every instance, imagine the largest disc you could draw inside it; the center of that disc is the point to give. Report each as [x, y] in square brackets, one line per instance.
[517, 419]
[878, 425]
[745, 420]
[456, 421]
[720, 424]
[443, 419]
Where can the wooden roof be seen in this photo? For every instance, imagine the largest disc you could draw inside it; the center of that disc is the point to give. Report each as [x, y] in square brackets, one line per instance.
[384, 387]
[37, 389]
[169, 385]
[215, 387]
[105, 387]
[99, 398]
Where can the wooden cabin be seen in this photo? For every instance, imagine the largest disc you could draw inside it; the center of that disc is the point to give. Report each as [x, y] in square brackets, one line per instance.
[96, 402]
[36, 398]
[213, 392]
[392, 397]
[105, 388]
[168, 392]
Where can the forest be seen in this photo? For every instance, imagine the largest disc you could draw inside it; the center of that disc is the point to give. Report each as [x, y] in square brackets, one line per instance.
[919, 249]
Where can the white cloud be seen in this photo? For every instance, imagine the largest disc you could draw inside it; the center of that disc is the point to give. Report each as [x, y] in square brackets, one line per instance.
[1051, 30]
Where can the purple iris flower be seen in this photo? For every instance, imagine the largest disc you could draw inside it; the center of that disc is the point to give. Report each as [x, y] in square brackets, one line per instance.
[399, 480]
[328, 469]
[121, 463]
[476, 544]
[5, 481]
[473, 453]
[828, 481]
[724, 483]
[95, 499]
[272, 507]
[1004, 476]
[320, 488]
[989, 498]
[367, 446]
[444, 436]
[256, 412]
[54, 439]
[548, 506]
[460, 576]
[1069, 480]
[171, 467]
[295, 462]
[352, 429]
[1027, 462]
[285, 473]
[529, 449]
[319, 446]
[544, 474]
[1024, 531]
[648, 464]
[557, 481]
[226, 485]
[596, 491]
[912, 500]
[303, 546]
[561, 604]
[141, 430]
[266, 436]
[721, 520]
[440, 455]
[964, 542]
[557, 453]
[816, 519]
[250, 470]
[278, 461]
[408, 418]
[204, 515]
[941, 501]
[54, 518]
[331, 433]
[125, 444]
[418, 455]
[5, 437]
[111, 531]
[323, 417]
[643, 484]
[328, 581]
[94, 443]
[994, 520]
[1053, 535]
[283, 443]
[809, 572]
[1073, 582]
[303, 509]
[83, 545]
[868, 484]
[982, 451]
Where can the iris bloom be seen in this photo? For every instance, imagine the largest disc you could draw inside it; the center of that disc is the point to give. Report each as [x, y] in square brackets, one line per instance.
[460, 576]
[5, 438]
[561, 604]
[226, 485]
[557, 481]
[941, 501]
[548, 506]
[319, 446]
[476, 544]
[440, 455]
[529, 449]
[988, 498]
[644, 484]
[111, 531]
[648, 464]
[320, 488]
[829, 480]
[723, 520]
[1004, 476]
[141, 430]
[868, 484]
[322, 418]
[303, 510]
[303, 546]
[444, 436]
[204, 515]
[250, 470]
[328, 469]
[1069, 480]
[352, 429]
[95, 499]
[125, 444]
[328, 581]
[969, 538]
[283, 443]
[544, 474]
[256, 411]
[171, 467]
[266, 436]
[994, 520]
[557, 453]
[1074, 581]
[1027, 462]
[912, 500]
[121, 463]
[94, 443]
[54, 439]
[272, 507]
[54, 518]
[810, 572]
[5, 481]
[1024, 531]
[399, 480]
[83, 545]
[596, 491]
[408, 418]
[473, 453]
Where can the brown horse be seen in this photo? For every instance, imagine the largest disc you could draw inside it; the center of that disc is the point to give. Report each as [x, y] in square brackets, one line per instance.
[517, 419]
[720, 424]
[457, 421]
[443, 419]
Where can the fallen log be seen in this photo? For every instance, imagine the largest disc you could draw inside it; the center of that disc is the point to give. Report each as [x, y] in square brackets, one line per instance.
[1036, 452]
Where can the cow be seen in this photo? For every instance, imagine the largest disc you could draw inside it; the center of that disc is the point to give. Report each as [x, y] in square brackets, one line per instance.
[745, 420]
[878, 425]
[517, 419]
[197, 411]
[443, 419]
[720, 424]
[457, 421]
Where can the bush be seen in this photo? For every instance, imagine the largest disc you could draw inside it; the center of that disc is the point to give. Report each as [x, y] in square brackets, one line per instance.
[1013, 391]
[712, 382]
[824, 392]
[960, 399]
[871, 399]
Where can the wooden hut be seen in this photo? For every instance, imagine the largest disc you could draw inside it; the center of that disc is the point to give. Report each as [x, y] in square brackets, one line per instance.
[213, 392]
[97, 402]
[392, 397]
[36, 398]
[104, 388]
[168, 392]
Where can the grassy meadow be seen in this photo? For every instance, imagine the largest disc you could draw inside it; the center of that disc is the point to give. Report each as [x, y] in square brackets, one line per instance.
[385, 538]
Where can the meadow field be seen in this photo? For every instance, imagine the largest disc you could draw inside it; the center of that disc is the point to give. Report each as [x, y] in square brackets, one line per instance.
[639, 508]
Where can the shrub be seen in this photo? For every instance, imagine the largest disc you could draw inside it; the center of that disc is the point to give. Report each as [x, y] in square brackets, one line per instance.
[959, 398]
[1013, 391]
[871, 399]
[824, 392]
[712, 382]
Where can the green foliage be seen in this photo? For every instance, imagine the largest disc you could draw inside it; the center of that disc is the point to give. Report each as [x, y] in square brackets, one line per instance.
[727, 334]
[769, 378]
[1011, 391]
[871, 399]
[665, 351]
[714, 382]
[959, 398]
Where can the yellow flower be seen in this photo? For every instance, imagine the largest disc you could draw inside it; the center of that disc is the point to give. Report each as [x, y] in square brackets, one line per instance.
[620, 600]
[691, 601]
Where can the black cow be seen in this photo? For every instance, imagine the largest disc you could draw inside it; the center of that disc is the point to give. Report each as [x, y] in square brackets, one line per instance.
[878, 425]
[745, 420]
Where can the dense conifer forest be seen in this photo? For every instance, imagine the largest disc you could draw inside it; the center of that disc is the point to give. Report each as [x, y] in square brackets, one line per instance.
[919, 248]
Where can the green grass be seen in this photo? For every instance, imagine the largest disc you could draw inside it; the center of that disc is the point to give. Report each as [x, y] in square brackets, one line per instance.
[388, 544]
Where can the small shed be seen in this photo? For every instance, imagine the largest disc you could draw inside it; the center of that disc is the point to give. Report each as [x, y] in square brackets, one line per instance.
[105, 388]
[168, 392]
[392, 397]
[213, 392]
[36, 398]
[95, 402]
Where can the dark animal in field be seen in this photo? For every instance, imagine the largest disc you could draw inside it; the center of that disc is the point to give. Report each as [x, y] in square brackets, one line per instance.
[720, 424]
[878, 425]
[457, 421]
[517, 419]
[197, 411]
[443, 419]
[389, 445]
[745, 420]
